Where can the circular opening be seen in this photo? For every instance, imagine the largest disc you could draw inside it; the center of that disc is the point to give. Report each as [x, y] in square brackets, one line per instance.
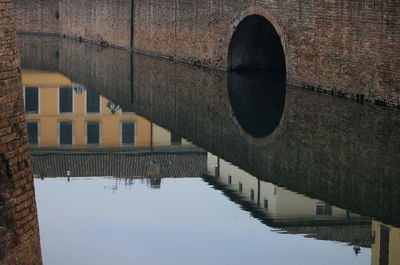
[256, 45]
[257, 76]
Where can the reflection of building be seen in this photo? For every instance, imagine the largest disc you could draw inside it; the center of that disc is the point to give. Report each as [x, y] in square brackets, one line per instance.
[171, 165]
[287, 210]
[155, 183]
[63, 114]
[281, 205]
[385, 244]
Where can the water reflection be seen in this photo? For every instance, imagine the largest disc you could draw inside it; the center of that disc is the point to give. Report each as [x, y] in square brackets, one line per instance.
[385, 244]
[286, 210]
[279, 205]
[346, 156]
[258, 100]
[126, 165]
[184, 222]
[286, 220]
[63, 114]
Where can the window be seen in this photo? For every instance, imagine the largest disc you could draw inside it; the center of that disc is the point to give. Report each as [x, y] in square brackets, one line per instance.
[33, 132]
[265, 203]
[229, 179]
[384, 245]
[65, 133]
[128, 132]
[92, 101]
[252, 194]
[323, 209]
[175, 139]
[32, 100]
[240, 187]
[216, 171]
[65, 100]
[93, 132]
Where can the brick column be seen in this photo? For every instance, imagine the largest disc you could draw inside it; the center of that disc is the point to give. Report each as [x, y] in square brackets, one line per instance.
[19, 229]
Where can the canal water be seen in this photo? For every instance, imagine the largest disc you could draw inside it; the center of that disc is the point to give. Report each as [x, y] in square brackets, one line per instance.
[186, 221]
[139, 160]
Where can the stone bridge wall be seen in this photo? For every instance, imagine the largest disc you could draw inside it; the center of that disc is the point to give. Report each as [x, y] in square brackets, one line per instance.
[101, 21]
[104, 21]
[19, 230]
[350, 48]
[347, 46]
[37, 16]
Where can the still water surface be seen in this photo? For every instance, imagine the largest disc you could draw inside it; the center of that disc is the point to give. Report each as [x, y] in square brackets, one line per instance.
[106, 221]
[198, 160]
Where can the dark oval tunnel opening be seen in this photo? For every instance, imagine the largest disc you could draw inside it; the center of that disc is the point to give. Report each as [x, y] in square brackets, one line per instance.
[255, 45]
[258, 100]
[257, 76]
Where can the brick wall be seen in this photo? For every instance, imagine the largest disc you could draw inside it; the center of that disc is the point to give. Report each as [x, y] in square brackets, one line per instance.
[102, 21]
[351, 48]
[39, 16]
[106, 22]
[348, 48]
[19, 232]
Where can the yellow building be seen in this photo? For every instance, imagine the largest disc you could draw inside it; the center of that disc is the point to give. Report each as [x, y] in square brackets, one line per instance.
[278, 205]
[385, 244]
[63, 114]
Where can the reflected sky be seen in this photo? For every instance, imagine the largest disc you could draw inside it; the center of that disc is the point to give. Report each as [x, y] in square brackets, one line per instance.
[88, 221]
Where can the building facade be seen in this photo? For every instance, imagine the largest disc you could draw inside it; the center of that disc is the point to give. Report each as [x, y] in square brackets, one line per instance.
[62, 114]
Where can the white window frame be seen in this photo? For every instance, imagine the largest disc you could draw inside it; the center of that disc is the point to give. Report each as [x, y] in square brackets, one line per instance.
[100, 105]
[73, 132]
[120, 132]
[24, 95]
[38, 132]
[100, 132]
[58, 101]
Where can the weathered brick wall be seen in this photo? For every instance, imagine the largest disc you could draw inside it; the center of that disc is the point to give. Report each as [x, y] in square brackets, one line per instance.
[19, 231]
[98, 20]
[106, 22]
[39, 16]
[349, 47]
